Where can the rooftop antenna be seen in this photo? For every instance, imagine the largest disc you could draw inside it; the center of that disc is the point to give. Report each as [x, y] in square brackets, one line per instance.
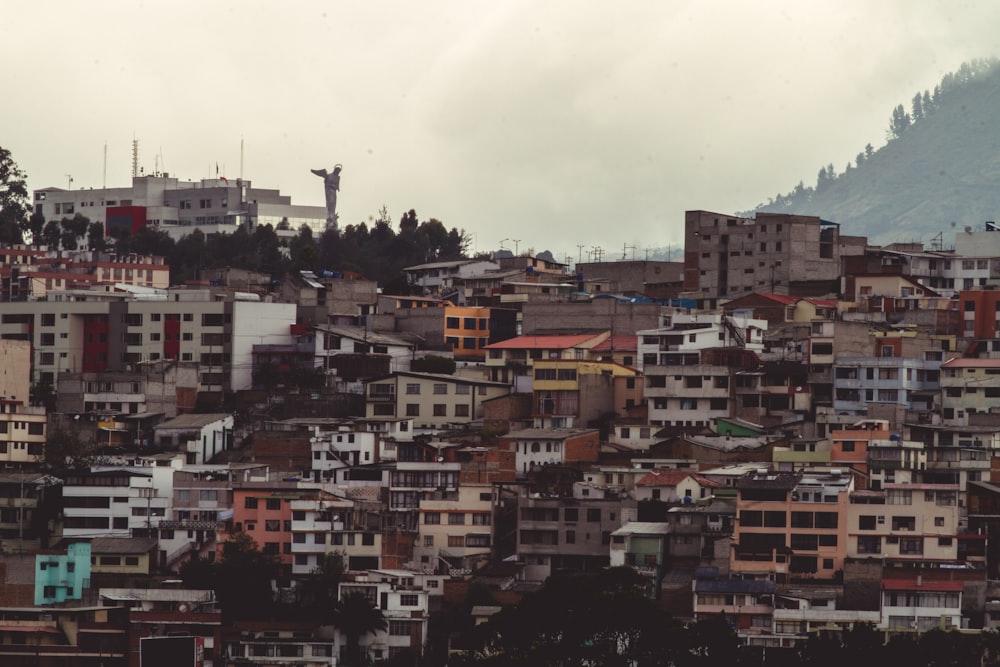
[135, 157]
[104, 171]
[69, 182]
[241, 158]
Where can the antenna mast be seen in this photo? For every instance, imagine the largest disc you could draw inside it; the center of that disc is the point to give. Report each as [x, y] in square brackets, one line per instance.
[135, 157]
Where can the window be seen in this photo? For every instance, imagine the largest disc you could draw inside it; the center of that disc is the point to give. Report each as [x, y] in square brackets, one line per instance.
[480, 519]
[399, 628]
[272, 525]
[440, 410]
[462, 410]
[274, 503]
[866, 522]
[440, 388]
[593, 515]
[408, 600]
[412, 409]
[432, 518]
[904, 523]
[456, 519]
[456, 540]
[570, 537]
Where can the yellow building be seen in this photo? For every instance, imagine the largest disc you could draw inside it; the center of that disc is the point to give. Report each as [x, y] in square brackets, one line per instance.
[467, 331]
[571, 393]
[122, 555]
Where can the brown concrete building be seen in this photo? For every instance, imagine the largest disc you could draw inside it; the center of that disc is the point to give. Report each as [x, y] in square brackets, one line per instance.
[778, 253]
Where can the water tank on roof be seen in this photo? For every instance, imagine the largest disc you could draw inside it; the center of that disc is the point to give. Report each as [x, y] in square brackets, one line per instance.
[895, 437]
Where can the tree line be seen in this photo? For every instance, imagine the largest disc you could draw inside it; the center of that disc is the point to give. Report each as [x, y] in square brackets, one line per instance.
[923, 105]
[605, 619]
[378, 252]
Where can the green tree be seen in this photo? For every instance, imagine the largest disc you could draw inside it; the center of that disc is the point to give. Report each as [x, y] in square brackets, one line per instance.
[15, 208]
[356, 616]
[43, 394]
[51, 234]
[899, 123]
[243, 581]
[36, 223]
[320, 589]
[304, 250]
[95, 237]
[199, 573]
[432, 363]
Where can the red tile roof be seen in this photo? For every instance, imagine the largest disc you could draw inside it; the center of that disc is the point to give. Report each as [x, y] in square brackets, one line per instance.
[781, 298]
[673, 478]
[625, 343]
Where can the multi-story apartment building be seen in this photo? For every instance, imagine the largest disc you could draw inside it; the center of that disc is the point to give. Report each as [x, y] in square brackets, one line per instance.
[902, 375]
[778, 253]
[682, 336]
[563, 533]
[263, 511]
[442, 278]
[968, 387]
[455, 532]
[690, 362]
[573, 393]
[748, 602]
[98, 502]
[298, 643]
[535, 447]
[467, 331]
[849, 447]
[918, 604]
[791, 526]
[412, 482]
[329, 524]
[22, 433]
[29, 516]
[511, 361]
[404, 598]
[378, 353]
[202, 497]
[431, 400]
[62, 577]
[159, 387]
[94, 331]
[905, 523]
[213, 205]
[200, 437]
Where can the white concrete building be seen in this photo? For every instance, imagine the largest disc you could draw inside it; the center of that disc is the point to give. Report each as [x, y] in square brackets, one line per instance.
[920, 604]
[199, 436]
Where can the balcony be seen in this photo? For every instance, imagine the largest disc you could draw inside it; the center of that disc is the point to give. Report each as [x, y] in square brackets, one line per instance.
[382, 397]
[187, 524]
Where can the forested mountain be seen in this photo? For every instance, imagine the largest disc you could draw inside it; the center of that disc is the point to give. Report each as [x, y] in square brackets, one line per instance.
[939, 170]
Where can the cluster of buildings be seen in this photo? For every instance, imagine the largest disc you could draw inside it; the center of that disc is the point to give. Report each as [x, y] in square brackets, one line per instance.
[791, 427]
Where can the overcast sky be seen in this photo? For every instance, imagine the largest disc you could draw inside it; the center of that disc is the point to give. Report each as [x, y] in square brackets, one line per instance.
[543, 125]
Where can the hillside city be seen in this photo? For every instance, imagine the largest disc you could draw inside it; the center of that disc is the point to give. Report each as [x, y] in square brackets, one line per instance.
[791, 430]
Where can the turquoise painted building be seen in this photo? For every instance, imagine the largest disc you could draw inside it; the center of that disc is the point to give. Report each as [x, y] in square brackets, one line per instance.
[61, 577]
